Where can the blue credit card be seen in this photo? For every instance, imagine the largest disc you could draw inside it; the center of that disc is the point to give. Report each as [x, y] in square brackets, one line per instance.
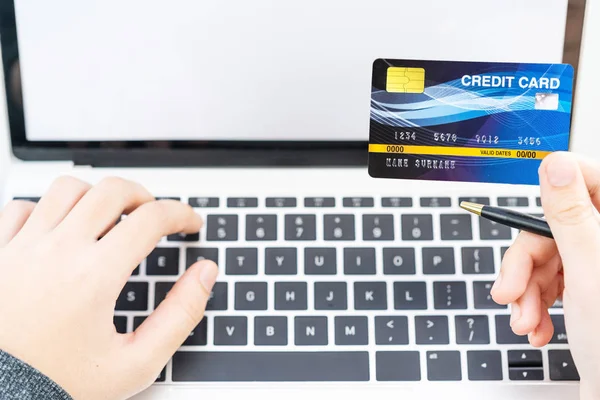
[467, 121]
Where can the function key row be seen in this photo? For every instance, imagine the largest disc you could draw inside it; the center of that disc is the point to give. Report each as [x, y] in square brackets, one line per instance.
[324, 260]
[293, 296]
[328, 202]
[342, 227]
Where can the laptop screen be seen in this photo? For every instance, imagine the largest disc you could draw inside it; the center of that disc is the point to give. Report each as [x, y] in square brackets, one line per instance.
[260, 70]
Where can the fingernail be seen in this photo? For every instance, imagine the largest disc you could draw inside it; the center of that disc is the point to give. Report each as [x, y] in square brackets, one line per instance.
[208, 274]
[497, 284]
[561, 171]
[515, 313]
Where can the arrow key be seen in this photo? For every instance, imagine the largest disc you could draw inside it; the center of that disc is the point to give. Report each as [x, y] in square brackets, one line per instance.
[484, 365]
[524, 359]
[562, 367]
[526, 374]
[391, 330]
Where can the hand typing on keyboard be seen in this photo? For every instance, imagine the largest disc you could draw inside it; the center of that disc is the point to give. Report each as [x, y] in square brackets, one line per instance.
[63, 265]
[536, 270]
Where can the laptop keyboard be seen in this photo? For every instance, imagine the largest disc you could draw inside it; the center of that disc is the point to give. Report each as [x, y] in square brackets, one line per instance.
[346, 289]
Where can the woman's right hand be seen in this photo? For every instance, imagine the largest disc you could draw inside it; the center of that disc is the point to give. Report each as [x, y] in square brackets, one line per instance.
[537, 270]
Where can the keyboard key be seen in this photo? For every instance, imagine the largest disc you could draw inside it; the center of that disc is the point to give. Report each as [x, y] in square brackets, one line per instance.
[479, 200]
[505, 334]
[300, 227]
[138, 321]
[162, 375]
[291, 296]
[358, 202]
[120, 323]
[281, 261]
[399, 261]
[27, 198]
[456, 227]
[417, 227]
[370, 296]
[241, 261]
[331, 296]
[432, 330]
[281, 202]
[538, 201]
[261, 227]
[270, 331]
[562, 366]
[350, 331]
[378, 227]
[478, 260]
[198, 336]
[242, 202]
[274, 366]
[484, 365]
[174, 198]
[250, 295]
[160, 291]
[339, 227]
[483, 298]
[320, 261]
[513, 202]
[410, 296]
[524, 358]
[436, 202]
[222, 228]
[399, 366]
[391, 330]
[217, 300]
[163, 261]
[310, 331]
[136, 271]
[184, 237]
[472, 329]
[526, 374]
[443, 366]
[319, 202]
[133, 297]
[396, 202]
[450, 295]
[231, 331]
[204, 202]
[195, 254]
[490, 230]
[560, 332]
[359, 261]
[438, 261]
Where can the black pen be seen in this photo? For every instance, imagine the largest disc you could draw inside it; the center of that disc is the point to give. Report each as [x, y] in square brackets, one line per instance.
[514, 219]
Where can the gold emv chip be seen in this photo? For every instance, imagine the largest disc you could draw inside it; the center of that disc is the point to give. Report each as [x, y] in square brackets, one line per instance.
[405, 80]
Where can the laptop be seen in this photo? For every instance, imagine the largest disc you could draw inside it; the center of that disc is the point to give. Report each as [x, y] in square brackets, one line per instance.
[256, 113]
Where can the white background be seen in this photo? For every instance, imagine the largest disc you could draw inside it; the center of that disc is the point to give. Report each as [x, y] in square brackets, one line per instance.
[262, 69]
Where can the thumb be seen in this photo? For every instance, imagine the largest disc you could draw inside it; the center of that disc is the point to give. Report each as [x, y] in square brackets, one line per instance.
[164, 331]
[571, 215]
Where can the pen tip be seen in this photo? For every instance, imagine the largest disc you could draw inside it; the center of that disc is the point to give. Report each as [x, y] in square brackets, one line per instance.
[471, 207]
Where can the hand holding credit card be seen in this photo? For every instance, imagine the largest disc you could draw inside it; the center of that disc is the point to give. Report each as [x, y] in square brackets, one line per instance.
[467, 121]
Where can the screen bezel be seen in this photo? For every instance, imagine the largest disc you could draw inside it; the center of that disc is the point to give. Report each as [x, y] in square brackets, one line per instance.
[199, 153]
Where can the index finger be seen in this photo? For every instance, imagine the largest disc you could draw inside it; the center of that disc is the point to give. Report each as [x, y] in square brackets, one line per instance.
[131, 240]
[527, 251]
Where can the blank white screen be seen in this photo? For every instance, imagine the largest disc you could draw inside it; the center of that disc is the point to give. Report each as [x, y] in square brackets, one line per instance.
[248, 69]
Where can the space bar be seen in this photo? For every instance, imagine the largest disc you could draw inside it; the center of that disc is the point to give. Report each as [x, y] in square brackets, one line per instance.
[270, 366]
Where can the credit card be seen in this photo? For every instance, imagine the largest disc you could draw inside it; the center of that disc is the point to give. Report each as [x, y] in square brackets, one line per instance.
[467, 121]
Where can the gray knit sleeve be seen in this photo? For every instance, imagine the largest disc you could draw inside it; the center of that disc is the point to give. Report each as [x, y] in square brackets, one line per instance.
[20, 381]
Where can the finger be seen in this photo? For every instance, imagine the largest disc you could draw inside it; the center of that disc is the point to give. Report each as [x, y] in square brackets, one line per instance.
[572, 218]
[136, 236]
[590, 169]
[525, 312]
[541, 335]
[12, 219]
[527, 251]
[54, 205]
[164, 331]
[102, 205]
